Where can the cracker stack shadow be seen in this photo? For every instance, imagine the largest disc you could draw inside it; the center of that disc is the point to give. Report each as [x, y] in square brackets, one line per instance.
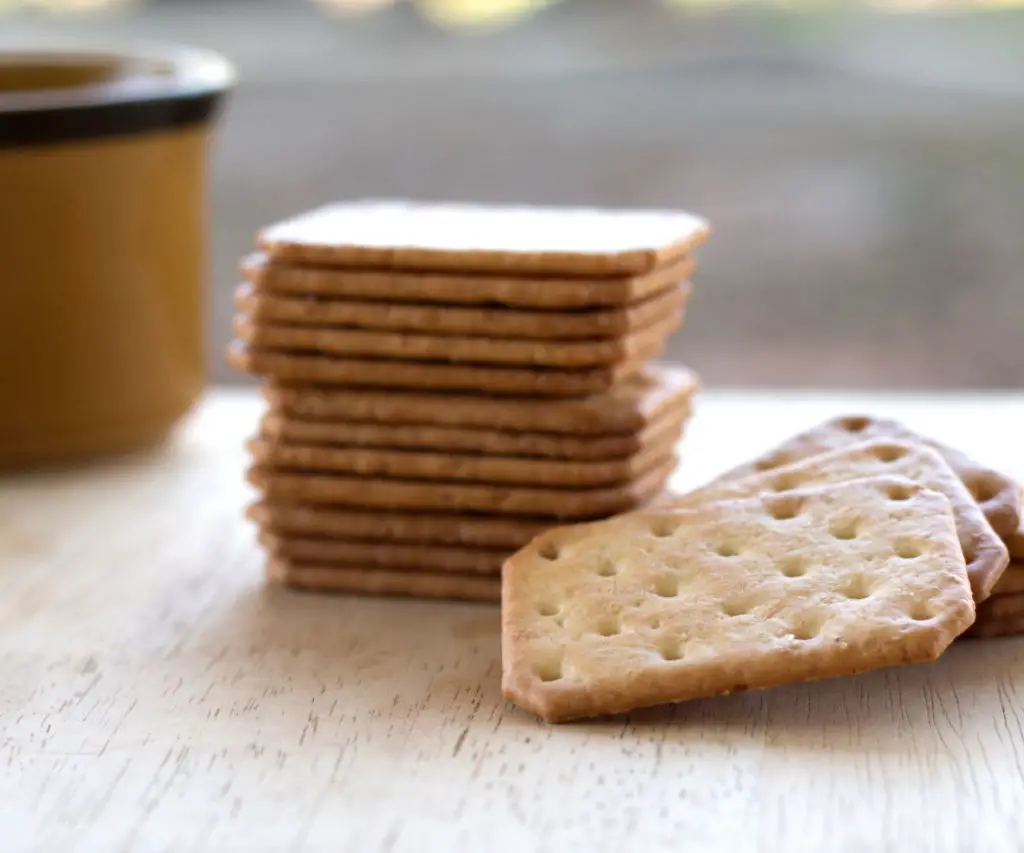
[446, 382]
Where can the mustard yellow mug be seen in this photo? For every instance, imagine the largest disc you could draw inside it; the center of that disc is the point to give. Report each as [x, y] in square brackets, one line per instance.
[103, 246]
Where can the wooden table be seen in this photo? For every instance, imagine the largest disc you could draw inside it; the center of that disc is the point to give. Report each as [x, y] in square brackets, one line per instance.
[155, 696]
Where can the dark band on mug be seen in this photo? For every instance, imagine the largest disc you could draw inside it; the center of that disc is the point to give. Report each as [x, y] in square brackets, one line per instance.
[100, 120]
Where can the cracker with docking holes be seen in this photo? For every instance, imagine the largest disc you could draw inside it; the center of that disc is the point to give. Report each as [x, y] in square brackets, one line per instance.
[472, 321]
[388, 555]
[984, 552]
[383, 582]
[278, 427]
[641, 345]
[519, 292]
[380, 493]
[460, 237]
[453, 467]
[998, 495]
[316, 520]
[651, 608]
[290, 368]
[627, 407]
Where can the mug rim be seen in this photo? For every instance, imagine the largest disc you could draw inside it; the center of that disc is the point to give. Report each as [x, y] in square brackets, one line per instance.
[157, 88]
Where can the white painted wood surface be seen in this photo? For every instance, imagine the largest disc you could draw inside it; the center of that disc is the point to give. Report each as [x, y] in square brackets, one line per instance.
[154, 696]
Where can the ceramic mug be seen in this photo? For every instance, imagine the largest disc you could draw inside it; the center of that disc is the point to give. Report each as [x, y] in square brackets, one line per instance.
[103, 246]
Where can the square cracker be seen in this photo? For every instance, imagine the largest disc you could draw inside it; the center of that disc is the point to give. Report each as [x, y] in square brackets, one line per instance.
[454, 467]
[279, 427]
[407, 234]
[383, 582]
[447, 289]
[473, 321]
[317, 520]
[417, 556]
[998, 495]
[984, 552]
[290, 368]
[626, 407]
[650, 608]
[642, 344]
[380, 493]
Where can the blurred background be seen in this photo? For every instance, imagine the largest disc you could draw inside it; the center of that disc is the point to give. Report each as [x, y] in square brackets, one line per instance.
[862, 165]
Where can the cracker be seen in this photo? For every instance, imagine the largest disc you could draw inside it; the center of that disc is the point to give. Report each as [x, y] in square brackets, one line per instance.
[405, 234]
[448, 529]
[1010, 626]
[650, 608]
[453, 467]
[535, 292]
[984, 551]
[490, 379]
[406, 346]
[280, 427]
[1012, 580]
[383, 582]
[475, 321]
[376, 493]
[1015, 542]
[388, 555]
[1000, 616]
[629, 406]
[998, 495]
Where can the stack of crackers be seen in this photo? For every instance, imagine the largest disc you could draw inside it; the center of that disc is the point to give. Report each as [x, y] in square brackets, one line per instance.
[445, 382]
[1002, 614]
[856, 545]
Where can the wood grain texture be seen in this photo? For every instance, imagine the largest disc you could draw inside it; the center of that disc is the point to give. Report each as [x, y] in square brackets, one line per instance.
[154, 696]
